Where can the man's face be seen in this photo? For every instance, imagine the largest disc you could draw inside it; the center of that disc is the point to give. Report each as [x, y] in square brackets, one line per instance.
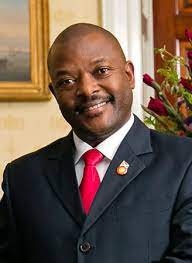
[92, 84]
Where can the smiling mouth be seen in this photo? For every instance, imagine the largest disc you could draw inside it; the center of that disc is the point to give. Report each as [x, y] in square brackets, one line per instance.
[99, 105]
[91, 107]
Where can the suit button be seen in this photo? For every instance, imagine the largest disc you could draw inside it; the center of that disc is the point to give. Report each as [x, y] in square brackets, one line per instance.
[85, 247]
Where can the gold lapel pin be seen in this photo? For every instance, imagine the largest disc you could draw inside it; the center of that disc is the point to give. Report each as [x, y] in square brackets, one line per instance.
[122, 168]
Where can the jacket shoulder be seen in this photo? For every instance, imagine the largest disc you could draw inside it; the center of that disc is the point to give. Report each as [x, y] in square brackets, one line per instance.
[171, 143]
[44, 152]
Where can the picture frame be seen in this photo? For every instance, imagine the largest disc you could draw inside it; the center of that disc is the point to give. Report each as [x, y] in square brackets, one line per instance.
[36, 87]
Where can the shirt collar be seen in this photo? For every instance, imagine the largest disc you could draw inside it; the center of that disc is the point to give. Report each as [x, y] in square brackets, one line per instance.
[114, 141]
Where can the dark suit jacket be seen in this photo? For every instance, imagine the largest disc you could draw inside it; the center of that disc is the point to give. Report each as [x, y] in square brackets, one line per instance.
[144, 216]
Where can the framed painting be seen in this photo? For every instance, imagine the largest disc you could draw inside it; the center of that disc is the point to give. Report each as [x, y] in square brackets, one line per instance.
[24, 46]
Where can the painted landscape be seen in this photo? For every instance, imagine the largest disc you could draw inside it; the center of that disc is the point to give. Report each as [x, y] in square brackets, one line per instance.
[14, 44]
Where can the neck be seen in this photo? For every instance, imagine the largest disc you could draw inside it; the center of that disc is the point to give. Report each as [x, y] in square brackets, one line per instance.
[93, 139]
[96, 138]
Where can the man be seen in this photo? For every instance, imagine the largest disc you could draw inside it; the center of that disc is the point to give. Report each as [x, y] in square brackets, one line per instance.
[134, 205]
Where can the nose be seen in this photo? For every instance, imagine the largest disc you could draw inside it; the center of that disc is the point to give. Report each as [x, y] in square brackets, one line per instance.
[87, 85]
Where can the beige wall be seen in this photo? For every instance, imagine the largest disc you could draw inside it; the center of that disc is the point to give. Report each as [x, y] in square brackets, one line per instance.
[25, 127]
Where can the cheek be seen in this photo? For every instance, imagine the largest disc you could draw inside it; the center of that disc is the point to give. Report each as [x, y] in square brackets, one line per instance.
[127, 101]
[66, 101]
[123, 95]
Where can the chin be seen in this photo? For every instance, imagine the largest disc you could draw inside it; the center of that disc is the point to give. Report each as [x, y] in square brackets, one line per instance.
[101, 131]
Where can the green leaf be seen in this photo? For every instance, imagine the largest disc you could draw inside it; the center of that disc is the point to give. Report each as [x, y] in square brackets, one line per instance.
[170, 85]
[187, 96]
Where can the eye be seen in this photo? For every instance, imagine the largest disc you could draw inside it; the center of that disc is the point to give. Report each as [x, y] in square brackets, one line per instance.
[65, 83]
[103, 70]
[68, 81]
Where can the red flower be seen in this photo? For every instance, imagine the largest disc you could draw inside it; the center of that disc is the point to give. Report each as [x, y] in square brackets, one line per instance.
[186, 84]
[188, 35]
[180, 133]
[148, 80]
[157, 106]
[189, 54]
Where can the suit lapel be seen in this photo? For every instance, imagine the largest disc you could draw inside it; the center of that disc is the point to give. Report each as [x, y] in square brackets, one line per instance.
[60, 172]
[61, 175]
[137, 142]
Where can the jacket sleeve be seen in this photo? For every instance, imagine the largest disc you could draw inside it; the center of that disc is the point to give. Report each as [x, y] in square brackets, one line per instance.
[180, 249]
[7, 226]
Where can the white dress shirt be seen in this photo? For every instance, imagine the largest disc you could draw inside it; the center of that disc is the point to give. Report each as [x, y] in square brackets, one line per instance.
[108, 148]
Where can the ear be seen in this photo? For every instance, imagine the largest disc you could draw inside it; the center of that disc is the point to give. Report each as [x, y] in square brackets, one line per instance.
[129, 69]
[51, 89]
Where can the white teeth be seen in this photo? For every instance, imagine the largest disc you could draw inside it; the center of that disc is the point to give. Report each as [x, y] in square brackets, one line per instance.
[96, 106]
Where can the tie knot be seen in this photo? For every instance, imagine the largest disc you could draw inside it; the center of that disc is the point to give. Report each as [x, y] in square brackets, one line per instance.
[92, 157]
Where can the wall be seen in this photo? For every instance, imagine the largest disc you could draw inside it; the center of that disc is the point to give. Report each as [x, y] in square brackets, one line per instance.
[132, 23]
[25, 127]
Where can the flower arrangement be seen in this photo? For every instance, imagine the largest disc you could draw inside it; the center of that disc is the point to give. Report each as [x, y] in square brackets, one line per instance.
[171, 110]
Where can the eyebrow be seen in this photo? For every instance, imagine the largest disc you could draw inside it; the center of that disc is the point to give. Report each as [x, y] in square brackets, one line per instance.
[67, 72]
[62, 72]
[98, 60]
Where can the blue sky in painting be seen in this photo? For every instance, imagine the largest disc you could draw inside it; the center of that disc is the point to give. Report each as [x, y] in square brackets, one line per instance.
[14, 44]
[14, 21]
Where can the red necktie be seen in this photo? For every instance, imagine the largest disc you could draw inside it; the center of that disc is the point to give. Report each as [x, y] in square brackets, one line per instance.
[91, 181]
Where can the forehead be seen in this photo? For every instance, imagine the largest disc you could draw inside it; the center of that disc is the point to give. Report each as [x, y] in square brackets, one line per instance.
[86, 49]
